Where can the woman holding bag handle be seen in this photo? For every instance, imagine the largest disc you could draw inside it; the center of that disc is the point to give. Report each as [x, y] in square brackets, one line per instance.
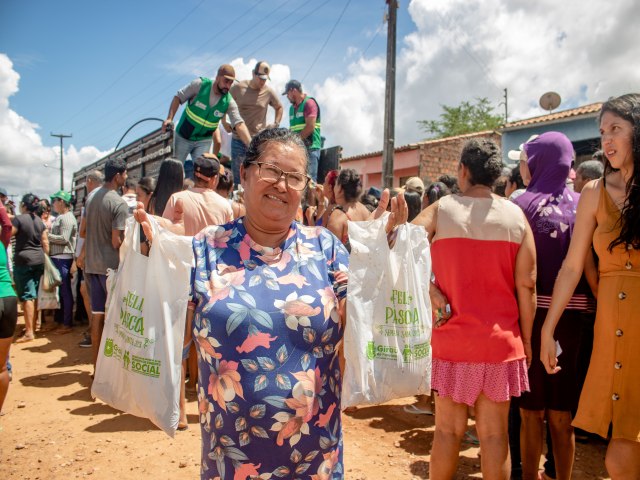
[268, 308]
[483, 258]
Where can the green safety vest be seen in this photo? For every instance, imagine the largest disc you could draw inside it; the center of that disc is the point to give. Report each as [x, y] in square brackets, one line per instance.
[297, 124]
[199, 121]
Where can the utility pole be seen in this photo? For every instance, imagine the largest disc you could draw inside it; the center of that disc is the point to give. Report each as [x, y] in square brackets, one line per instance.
[61, 137]
[506, 106]
[390, 97]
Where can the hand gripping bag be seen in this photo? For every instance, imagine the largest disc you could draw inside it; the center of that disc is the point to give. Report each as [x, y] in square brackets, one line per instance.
[51, 277]
[140, 355]
[387, 340]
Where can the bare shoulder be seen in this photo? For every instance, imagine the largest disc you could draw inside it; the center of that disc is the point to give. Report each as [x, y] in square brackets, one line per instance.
[428, 218]
[590, 195]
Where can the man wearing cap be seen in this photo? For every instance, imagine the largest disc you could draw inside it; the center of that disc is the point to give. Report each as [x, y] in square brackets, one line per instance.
[200, 206]
[207, 103]
[253, 98]
[304, 118]
[414, 184]
[62, 246]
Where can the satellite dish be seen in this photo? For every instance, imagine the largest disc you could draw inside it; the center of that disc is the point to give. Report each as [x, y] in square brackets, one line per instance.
[550, 101]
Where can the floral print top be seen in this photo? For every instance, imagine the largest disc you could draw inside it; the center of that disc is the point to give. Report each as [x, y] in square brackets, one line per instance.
[266, 328]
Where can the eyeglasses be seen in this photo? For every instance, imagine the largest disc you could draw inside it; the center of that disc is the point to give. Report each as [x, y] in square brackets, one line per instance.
[272, 174]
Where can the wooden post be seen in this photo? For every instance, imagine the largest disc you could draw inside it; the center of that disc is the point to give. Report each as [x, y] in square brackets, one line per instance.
[390, 97]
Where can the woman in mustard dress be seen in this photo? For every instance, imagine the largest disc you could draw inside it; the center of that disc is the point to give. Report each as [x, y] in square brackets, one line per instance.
[609, 217]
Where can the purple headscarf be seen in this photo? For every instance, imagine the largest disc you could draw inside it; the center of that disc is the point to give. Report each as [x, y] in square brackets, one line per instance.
[548, 204]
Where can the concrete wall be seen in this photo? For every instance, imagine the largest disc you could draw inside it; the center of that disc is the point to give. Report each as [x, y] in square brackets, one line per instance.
[577, 130]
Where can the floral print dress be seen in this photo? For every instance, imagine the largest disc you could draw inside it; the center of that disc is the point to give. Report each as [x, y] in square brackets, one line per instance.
[266, 328]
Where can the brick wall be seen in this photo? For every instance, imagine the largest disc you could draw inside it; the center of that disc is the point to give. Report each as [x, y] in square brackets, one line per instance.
[440, 157]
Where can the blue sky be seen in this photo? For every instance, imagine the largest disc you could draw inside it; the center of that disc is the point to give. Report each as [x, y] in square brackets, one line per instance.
[93, 69]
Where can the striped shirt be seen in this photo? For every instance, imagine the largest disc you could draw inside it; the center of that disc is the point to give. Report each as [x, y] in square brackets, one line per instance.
[62, 238]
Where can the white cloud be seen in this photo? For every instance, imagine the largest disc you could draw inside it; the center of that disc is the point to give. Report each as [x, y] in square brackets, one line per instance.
[585, 50]
[22, 153]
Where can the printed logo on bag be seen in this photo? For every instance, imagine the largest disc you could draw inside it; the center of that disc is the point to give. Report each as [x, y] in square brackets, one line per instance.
[148, 367]
[131, 313]
[401, 312]
[402, 321]
[108, 347]
[145, 366]
[409, 352]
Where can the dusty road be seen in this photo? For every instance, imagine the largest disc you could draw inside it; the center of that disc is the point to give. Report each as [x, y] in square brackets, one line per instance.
[52, 429]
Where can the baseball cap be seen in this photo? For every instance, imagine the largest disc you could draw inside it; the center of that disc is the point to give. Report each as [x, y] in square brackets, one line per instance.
[262, 70]
[206, 166]
[515, 154]
[227, 71]
[414, 184]
[62, 195]
[292, 84]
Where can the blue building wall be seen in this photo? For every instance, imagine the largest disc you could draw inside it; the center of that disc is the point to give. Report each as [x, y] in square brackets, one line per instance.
[577, 130]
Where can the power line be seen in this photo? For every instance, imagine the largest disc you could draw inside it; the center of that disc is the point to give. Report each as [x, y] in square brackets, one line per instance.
[252, 41]
[484, 69]
[375, 35]
[326, 40]
[287, 29]
[207, 42]
[135, 63]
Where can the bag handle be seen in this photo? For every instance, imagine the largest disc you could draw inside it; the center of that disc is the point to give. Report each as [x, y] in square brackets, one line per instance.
[132, 233]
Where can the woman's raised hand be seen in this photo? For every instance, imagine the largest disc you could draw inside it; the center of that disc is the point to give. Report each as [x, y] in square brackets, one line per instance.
[142, 217]
[398, 213]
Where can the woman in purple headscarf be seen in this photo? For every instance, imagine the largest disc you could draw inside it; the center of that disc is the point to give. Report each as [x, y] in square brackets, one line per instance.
[550, 208]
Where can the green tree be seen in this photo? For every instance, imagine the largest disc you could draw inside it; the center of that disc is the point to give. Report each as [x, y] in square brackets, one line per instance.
[465, 118]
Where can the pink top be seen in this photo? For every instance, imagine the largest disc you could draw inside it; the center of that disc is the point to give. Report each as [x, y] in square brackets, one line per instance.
[202, 208]
[473, 255]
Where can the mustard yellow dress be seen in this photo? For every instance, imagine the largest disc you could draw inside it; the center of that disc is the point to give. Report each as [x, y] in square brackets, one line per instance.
[611, 392]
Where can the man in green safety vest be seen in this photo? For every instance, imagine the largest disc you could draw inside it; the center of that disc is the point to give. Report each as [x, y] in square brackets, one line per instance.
[208, 101]
[304, 118]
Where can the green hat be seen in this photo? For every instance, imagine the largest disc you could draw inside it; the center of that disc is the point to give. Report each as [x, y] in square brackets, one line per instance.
[62, 195]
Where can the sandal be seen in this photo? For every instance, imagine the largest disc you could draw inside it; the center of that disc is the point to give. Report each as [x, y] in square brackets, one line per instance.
[182, 427]
[413, 409]
[24, 339]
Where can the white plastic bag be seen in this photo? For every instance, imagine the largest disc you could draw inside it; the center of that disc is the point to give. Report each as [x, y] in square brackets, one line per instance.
[47, 300]
[140, 355]
[51, 277]
[387, 341]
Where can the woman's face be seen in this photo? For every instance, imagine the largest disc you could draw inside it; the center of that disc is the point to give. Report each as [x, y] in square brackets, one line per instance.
[273, 204]
[58, 206]
[142, 196]
[616, 135]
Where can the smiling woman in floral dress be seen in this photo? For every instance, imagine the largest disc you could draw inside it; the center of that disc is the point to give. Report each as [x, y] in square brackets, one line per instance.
[268, 299]
[267, 293]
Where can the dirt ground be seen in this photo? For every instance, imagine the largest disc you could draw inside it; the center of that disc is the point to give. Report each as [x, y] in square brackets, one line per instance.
[52, 429]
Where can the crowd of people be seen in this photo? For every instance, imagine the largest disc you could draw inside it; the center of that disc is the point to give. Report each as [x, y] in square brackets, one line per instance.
[534, 287]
